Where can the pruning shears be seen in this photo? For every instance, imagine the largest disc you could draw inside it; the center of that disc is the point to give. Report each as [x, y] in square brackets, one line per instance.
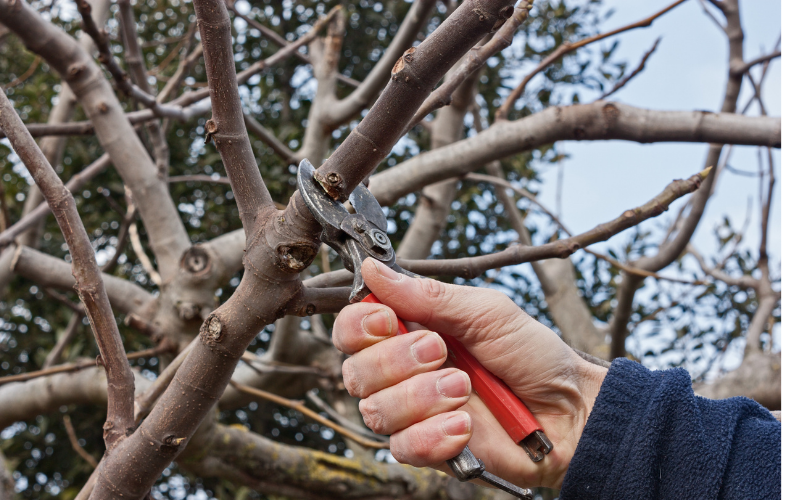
[356, 236]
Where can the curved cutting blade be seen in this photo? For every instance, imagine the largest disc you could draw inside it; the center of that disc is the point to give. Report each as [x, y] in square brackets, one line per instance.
[368, 206]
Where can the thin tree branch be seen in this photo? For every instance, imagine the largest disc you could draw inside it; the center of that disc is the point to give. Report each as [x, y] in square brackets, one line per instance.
[471, 267]
[89, 282]
[744, 67]
[144, 402]
[743, 282]
[283, 43]
[73, 440]
[344, 422]
[66, 338]
[670, 250]
[567, 47]
[121, 78]
[270, 140]
[300, 407]
[24, 76]
[75, 184]
[630, 76]
[474, 60]
[73, 367]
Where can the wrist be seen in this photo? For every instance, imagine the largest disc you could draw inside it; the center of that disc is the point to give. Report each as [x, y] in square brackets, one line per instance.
[592, 377]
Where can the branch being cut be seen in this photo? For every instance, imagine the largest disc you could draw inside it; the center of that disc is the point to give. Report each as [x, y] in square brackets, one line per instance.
[596, 121]
[567, 47]
[89, 282]
[471, 267]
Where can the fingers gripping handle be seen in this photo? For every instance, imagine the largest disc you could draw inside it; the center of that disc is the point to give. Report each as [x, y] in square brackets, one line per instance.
[513, 415]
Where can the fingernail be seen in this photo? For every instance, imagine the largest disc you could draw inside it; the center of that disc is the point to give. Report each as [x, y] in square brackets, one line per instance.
[455, 385]
[457, 425]
[386, 271]
[428, 349]
[377, 324]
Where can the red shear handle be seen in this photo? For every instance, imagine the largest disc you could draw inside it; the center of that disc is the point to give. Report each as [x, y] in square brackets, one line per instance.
[507, 408]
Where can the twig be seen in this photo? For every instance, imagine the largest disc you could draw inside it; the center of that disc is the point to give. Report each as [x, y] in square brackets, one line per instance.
[81, 365]
[74, 185]
[145, 401]
[283, 43]
[269, 138]
[342, 420]
[711, 15]
[73, 439]
[300, 407]
[121, 79]
[78, 308]
[69, 333]
[471, 267]
[183, 68]
[27, 74]
[624, 81]
[567, 47]
[138, 249]
[534, 199]
[474, 60]
[122, 238]
[88, 279]
[744, 67]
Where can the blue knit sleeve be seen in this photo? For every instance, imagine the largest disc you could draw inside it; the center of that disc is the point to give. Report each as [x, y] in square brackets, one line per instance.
[650, 437]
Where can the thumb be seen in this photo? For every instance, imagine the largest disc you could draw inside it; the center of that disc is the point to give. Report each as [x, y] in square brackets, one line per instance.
[459, 311]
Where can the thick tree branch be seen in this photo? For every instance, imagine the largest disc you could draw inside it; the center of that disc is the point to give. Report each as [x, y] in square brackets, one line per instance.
[413, 78]
[48, 271]
[596, 121]
[89, 282]
[226, 126]
[471, 267]
[474, 60]
[567, 47]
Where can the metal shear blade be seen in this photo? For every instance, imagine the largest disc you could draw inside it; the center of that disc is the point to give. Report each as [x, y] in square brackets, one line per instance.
[353, 236]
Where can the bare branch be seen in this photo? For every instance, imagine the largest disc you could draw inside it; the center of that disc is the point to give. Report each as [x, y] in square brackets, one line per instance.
[283, 43]
[226, 127]
[48, 271]
[630, 76]
[471, 267]
[74, 185]
[474, 60]
[744, 67]
[72, 367]
[89, 282]
[73, 440]
[301, 408]
[596, 121]
[567, 47]
[69, 333]
[270, 140]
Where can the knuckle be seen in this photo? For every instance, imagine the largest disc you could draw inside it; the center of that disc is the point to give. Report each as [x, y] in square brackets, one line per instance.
[351, 381]
[374, 418]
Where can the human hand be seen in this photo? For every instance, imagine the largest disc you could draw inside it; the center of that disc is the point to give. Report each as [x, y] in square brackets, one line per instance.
[430, 411]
